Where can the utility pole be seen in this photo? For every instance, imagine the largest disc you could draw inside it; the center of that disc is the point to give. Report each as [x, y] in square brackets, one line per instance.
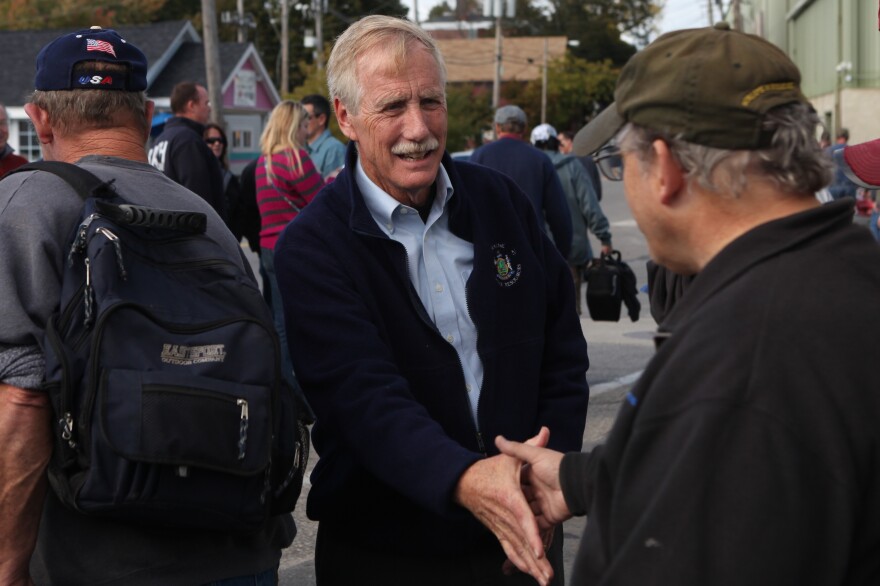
[496, 85]
[737, 16]
[708, 12]
[285, 42]
[319, 34]
[212, 60]
[544, 86]
[240, 7]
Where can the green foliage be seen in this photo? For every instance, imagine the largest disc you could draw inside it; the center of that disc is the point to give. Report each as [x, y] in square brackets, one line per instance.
[185, 10]
[73, 14]
[599, 26]
[576, 91]
[469, 112]
[440, 10]
[340, 13]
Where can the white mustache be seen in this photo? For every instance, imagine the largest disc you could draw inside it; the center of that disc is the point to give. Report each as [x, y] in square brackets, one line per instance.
[415, 148]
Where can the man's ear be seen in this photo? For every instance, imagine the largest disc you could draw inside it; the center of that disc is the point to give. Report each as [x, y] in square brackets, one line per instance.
[668, 174]
[344, 118]
[40, 118]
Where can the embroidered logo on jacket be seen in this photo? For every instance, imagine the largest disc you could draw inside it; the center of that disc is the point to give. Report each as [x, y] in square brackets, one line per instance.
[507, 270]
[188, 355]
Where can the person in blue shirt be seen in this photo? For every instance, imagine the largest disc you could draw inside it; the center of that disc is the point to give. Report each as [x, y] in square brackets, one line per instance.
[841, 186]
[325, 150]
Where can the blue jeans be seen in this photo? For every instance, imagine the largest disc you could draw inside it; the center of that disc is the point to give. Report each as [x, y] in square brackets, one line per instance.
[267, 578]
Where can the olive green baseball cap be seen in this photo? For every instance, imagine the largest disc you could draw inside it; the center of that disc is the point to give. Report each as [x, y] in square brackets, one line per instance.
[710, 86]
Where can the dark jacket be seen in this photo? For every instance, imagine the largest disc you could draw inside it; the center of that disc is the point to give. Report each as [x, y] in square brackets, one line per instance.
[533, 172]
[749, 451]
[584, 207]
[9, 160]
[395, 430]
[181, 153]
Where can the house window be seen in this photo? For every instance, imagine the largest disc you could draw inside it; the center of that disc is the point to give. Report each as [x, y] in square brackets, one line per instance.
[28, 143]
[242, 139]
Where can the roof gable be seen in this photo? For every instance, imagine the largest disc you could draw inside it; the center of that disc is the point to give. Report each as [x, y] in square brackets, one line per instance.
[174, 52]
[20, 49]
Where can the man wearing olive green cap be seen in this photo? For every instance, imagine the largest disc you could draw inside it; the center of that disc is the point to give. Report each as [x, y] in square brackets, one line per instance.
[749, 451]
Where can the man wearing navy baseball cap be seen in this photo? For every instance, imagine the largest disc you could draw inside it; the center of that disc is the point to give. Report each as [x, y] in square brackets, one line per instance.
[89, 107]
[749, 451]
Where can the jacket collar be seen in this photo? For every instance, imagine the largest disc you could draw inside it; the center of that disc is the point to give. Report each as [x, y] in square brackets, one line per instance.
[754, 248]
[181, 121]
[360, 219]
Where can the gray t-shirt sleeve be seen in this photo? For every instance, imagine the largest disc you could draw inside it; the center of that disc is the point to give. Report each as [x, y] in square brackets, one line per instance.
[22, 366]
[37, 215]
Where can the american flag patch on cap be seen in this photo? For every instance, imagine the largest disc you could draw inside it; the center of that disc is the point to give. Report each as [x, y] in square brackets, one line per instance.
[103, 46]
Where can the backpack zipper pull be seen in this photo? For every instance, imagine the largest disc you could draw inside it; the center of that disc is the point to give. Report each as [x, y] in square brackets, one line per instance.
[243, 427]
[88, 297]
[66, 424]
[79, 243]
[117, 247]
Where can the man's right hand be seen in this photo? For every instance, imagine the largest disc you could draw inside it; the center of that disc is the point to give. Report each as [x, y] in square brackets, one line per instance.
[491, 490]
[540, 480]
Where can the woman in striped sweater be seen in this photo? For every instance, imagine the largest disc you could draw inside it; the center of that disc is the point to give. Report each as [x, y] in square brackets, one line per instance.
[287, 181]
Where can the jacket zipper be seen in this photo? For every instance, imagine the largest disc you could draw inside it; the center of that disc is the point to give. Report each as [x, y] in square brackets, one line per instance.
[420, 309]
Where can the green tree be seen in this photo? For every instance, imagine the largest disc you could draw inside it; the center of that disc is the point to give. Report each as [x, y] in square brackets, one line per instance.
[340, 13]
[469, 113]
[601, 26]
[51, 14]
[577, 90]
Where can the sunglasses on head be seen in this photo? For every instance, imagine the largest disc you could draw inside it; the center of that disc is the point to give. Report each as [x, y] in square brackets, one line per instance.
[213, 140]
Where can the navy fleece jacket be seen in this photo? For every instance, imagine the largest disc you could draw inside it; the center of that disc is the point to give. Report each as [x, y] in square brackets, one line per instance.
[394, 430]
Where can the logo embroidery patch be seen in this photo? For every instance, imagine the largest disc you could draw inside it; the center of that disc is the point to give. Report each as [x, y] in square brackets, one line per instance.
[95, 80]
[103, 46]
[181, 355]
[507, 270]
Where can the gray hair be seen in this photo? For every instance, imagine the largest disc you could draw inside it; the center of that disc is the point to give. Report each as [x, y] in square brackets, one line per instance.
[512, 126]
[794, 161]
[76, 110]
[391, 35]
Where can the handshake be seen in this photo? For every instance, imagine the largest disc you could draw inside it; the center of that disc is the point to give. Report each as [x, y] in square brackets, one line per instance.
[517, 495]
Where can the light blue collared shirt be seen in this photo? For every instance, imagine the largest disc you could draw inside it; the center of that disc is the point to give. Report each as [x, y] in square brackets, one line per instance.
[439, 264]
[327, 153]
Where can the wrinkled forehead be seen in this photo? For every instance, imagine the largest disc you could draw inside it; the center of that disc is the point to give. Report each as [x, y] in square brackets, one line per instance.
[391, 56]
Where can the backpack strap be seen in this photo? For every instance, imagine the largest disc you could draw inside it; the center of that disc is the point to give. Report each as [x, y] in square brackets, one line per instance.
[87, 184]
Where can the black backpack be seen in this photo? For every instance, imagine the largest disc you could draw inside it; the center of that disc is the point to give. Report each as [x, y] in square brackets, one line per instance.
[610, 283]
[163, 369]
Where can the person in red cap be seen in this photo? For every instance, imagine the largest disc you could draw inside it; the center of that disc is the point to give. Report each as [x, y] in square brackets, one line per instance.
[749, 451]
[861, 164]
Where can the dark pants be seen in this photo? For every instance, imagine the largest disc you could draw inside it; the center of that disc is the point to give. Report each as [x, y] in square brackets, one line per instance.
[341, 563]
[267, 578]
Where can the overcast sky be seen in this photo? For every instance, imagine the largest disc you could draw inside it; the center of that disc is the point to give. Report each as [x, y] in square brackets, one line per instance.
[676, 14]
